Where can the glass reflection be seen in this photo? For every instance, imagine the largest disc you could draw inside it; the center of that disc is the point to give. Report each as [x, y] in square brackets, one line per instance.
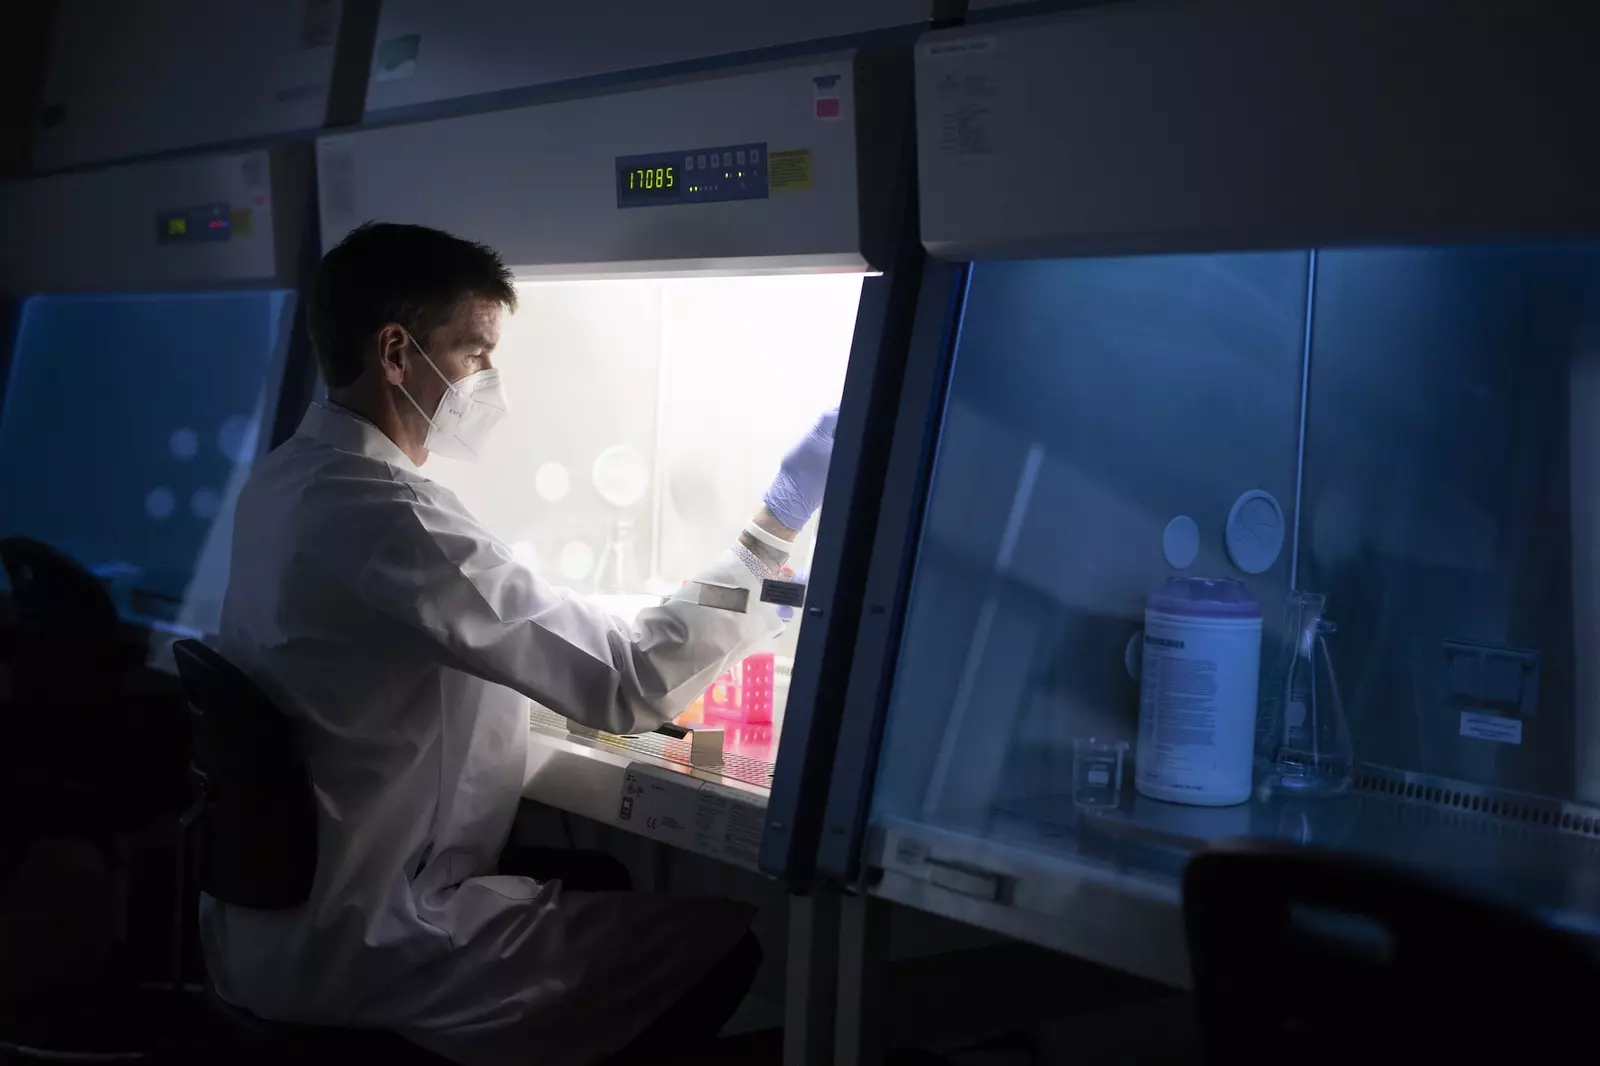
[128, 427]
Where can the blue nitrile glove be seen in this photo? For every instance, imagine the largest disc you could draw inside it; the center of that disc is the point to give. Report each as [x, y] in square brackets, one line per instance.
[796, 493]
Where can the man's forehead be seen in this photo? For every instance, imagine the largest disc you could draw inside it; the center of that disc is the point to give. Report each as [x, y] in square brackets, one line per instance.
[476, 321]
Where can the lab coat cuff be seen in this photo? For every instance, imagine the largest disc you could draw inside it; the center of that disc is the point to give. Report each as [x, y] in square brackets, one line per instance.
[725, 574]
[760, 569]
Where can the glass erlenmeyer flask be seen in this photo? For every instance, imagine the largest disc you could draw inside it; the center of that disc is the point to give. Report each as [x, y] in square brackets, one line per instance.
[1314, 754]
[1285, 636]
[615, 572]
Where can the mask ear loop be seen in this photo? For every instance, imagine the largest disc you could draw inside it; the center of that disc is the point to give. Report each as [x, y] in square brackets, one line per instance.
[453, 386]
[448, 384]
[429, 360]
[425, 415]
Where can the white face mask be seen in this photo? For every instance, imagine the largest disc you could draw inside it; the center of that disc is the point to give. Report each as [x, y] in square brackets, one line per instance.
[468, 411]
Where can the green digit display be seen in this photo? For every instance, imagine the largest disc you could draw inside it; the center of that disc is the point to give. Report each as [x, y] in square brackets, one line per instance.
[642, 180]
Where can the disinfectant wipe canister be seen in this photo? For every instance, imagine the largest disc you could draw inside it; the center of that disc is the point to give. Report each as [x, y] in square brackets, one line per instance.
[1197, 692]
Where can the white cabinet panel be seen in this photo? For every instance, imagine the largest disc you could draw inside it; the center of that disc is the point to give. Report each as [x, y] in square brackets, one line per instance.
[200, 221]
[128, 79]
[540, 183]
[1135, 127]
[429, 51]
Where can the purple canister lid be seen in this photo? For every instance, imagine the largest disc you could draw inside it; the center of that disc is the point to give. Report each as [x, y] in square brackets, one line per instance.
[1204, 597]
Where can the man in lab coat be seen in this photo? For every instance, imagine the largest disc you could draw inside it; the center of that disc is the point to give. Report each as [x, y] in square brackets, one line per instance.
[405, 641]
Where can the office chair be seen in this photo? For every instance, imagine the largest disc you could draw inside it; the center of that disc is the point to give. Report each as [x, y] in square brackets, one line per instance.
[1307, 957]
[69, 651]
[254, 830]
[83, 758]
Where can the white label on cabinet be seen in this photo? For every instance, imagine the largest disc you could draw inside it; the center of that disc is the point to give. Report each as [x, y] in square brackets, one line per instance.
[954, 49]
[695, 815]
[965, 96]
[1491, 727]
[396, 58]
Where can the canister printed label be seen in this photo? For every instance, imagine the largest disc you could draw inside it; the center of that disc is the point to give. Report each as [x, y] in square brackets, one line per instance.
[1197, 708]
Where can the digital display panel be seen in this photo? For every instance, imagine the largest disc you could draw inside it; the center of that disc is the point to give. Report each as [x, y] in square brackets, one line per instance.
[659, 182]
[189, 225]
[693, 176]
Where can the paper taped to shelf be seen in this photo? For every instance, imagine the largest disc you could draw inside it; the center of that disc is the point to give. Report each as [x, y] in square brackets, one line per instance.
[688, 813]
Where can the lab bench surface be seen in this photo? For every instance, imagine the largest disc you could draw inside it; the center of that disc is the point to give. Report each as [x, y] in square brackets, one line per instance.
[647, 785]
[1104, 885]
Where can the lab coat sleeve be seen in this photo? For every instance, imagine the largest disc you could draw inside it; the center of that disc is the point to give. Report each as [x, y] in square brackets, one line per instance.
[440, 572]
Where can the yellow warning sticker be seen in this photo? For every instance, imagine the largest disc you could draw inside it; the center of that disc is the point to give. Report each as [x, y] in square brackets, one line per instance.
[789, 171]
[240, 221]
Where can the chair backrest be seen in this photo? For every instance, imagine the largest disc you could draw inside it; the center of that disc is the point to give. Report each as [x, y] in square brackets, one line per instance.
[1306, 956]
[258, 827]
[69, 650]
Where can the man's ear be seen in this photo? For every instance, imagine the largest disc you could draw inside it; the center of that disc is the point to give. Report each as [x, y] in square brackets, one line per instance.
[393, 353]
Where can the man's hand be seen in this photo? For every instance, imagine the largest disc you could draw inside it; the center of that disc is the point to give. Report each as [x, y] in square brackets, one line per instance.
[796, 493]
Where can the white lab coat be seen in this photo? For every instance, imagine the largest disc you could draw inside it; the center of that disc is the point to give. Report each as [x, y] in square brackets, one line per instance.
[406, 641]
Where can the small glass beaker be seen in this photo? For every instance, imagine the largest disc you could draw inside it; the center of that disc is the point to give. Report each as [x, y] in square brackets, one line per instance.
[1097, 772]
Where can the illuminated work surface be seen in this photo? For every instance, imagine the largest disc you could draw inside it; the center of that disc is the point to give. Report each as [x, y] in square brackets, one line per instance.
[1105, 885]
[646, 785]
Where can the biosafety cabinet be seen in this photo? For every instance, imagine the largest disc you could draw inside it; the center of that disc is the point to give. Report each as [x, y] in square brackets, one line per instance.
[149, 364]
[703, 266]
[1305, 305]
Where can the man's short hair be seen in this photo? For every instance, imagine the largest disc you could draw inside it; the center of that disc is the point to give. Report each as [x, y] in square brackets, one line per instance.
[384, 272]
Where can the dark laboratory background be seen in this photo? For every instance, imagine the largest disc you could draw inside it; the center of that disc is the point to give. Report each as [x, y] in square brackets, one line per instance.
[1412, 399]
